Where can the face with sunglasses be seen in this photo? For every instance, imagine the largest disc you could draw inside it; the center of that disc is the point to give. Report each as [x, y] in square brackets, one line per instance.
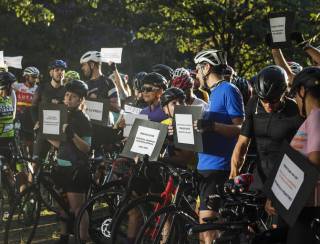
[150, 93]
[271, 105]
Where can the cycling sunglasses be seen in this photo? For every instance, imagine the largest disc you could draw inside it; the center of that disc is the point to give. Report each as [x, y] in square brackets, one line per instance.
[274, 101]
[149, 89]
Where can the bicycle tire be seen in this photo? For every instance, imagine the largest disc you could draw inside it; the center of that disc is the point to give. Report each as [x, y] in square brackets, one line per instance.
[118, 231]
[107, 202]
[16, 225]
[152, 229]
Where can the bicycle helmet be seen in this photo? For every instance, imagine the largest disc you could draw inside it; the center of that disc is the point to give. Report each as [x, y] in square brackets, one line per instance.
[211, 56]
[72, 75]
[308, 78]
[244, 87]
[183, 82]
[137, 80]
[94, 56]
[163, 70]
[180, 72]
[171, 94]
[57, 64]
[32, 71]
[78, 87]
[271, 83]
[155, 79]
[6, 80]
[295, 67]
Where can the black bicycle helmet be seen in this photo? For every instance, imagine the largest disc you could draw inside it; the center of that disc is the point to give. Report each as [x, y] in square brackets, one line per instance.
[57, 64]
[6, 80]
[137, 80]
[308, 78]
[244, 87]
[271, 83]
[164, 70]
[172, 94]
[78, 87]
[155, 79]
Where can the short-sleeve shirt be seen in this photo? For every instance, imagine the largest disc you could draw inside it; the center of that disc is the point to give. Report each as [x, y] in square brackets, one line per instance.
[307, 140]
[68, 153]
[225, 104]
[102, 87]
[156, 114]
[24, 95]
[269, 130]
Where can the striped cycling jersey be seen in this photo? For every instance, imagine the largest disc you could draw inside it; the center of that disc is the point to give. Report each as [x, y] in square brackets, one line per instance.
[6, 117]
[24, 95]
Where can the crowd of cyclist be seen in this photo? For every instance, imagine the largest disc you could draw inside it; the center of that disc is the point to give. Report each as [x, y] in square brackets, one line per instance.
[281, 102]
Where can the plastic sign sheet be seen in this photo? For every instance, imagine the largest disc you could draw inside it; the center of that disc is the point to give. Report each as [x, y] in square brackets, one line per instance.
[51, 122]
[98, 111]
[14, 62]
[287, 182]
[290, 183]
[278, 29]
[145, 138]
[129, 120]
[184, 127]
[1, 59]
[111, 55]
[52, 119]
[281, 25]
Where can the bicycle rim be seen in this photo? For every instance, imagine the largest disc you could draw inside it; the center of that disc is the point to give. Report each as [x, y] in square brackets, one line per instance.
[139, 210]
[23, 218]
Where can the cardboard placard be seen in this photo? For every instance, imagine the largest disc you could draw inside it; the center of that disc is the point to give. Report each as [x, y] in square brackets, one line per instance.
[281, 25]
[290, 184]
[185, 136]
[52, 119]
[146, 137]
[132, 109]
[98, 111]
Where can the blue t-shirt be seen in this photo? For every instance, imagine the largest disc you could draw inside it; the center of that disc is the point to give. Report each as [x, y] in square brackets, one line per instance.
[225, 103]
[155, 115]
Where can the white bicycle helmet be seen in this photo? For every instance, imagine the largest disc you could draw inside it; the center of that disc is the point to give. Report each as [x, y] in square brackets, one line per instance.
[94, 56]
[180, 72]
[295, 67]
[32, 71]
[211, 56]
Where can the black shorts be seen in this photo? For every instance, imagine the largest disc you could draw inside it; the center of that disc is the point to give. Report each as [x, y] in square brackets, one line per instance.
[72, 179]
[208, 182]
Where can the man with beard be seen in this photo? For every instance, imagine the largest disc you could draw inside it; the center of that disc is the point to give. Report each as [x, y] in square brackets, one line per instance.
[50, 92]
[100, 87]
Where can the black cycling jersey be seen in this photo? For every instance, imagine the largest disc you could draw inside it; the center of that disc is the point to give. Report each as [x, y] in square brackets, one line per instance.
[81, 125]
[102, 87]
[269, 130]
[45, 94]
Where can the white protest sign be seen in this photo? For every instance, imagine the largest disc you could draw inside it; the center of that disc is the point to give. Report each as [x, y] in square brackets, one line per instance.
[1, 59]
[132, 109]
[94, 110]
[278, 29]
[145, 140]
[129, 120]
[184, 127]
[14, 62]
[287, 182]
[51, 122]
[111, 55]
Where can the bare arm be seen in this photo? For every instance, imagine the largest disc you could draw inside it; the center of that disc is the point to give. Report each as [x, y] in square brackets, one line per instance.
[229, 130]
[82, 145]
[239, 154]
[314, 157]
[119, 84]
[54, 143]
[314, 53]
[280, 60]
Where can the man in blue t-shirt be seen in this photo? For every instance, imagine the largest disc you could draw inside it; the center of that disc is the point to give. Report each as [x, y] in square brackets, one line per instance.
[220, 126]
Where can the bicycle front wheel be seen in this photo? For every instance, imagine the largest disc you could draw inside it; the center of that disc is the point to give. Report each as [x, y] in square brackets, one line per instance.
[23, 217]
[168, 225]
